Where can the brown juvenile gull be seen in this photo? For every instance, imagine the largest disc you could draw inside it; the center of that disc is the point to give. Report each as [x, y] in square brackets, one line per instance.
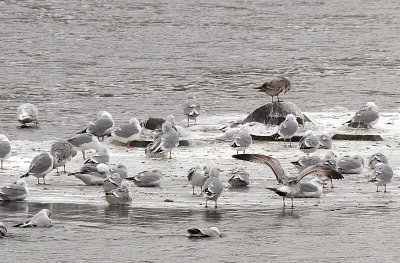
[275, 86]
[291, 186]
[62, 151]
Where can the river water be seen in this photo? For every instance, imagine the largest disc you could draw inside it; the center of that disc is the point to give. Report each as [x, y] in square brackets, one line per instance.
[141, 58]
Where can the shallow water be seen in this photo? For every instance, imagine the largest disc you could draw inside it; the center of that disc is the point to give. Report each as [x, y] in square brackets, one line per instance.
[141, 58]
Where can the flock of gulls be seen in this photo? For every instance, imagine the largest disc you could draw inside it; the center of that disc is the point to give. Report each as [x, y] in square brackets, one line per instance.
[95, 169]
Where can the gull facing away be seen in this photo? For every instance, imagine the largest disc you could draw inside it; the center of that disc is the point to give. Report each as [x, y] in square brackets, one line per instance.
[238, 177]
[382, 175]
[325, 141]
[201, 232]
[62, 151]
[120, 196]
[27, 115]
[112, 182]
[101, 126]
[376, 158]
[241, 140]
[147, 178]
[275, 86]
[309, 143]
[291, 187]
[196, 177]
[350, 165]
[366, 117]
[128, 132]
[17, 191]
[83, 142]
[92, 174]
[3, 230]
[5, 149]
[40, 166]
[191, 108]
[165, 141]
[40, 219]
[213, 186]
[287, 129]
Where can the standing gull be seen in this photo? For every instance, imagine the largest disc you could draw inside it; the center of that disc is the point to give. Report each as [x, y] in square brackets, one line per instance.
[101, 126]
[40, 166]
[275, 86]
[191, 108]
[287, 129]
[196, 177]
[200, 232]
[120, 196]
[366, 117]
[3, 230]
[382, 175]
[376, 158]
[241, 140]
[16, 191]
[40, 219]
[350, 165]
[331, 162]
[27, 115]
[165, 141]
[83, 142]
[290, 186]
[213, 186]
[5, 149]
[128, 132]
[239, 177]
[62, 151]
[309, 143]
[147, 178]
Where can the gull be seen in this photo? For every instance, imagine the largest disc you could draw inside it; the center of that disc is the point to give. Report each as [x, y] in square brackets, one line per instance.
[40, 219]
[241, 140]
[331, 162]
[165, 141]
[275, 86]
[5, 149]
[152, 124]
[92, 174]
[3, 230]
[200, 232]
[62, 151]
[119, 196]
[306, 161]
[287, 129]
[147, 178]
[83, 142]
[213, 186]
[27, 115]
[382, 175]
[17, 191]
[99, 157]
[196, 177]
[239, 177]
[312, 189]
[376, 158]
[309, 143]
[366, 117]
[350, 165]
[191, 108]
[112, 182]
[325, 141]
[101, 126]
[40, 166]
[119, 169]
[290, 185]
[128, 132]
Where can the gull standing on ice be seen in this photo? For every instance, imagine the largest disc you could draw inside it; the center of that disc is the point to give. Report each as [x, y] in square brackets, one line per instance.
[120, 196]
[165, 141]
[5, 149]
[147, 178]
[287, 129]
[196, 177]
[213, 186]
[199, 232]
[92, 174]
[376, 158]
[275, 86]
[101, 126]
[83, 142]
[128, 132]
[325, 141]
[241, 140]
[350, 165]
[3, 230]
[27, 114]
[40, 219]
[382, 175]
[16, 191]
[239, 177]
[366, 117]
[291, 187]
[40, 166]
[309, 143]
[191, 108]
[62, 151]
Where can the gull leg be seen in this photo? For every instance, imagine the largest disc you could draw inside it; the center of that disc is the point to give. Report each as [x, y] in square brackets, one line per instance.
[290, 142]
[2, 165]
[38, 181]
[65, 171]
[332, 183]
[377, 188]
[283, 201]
[385, 189]
[193, 191]
[206, 203]
[292, 202]
[83, 154]
[215, 203]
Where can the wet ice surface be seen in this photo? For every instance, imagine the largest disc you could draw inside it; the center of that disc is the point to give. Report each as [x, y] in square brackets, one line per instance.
[351, 222]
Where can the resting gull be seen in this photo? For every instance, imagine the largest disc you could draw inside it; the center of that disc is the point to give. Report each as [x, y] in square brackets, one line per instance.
[5, 149]
[366, 117]
[376, 158]
[27, 114]
[165, 141]
[238, 177]
[350, 164]
[128, 132]
[120, 196]
[40, 219]
[147, 178]
[201, 232]
[16, 191]
[92, 174]
[101, 126]
[309, 143]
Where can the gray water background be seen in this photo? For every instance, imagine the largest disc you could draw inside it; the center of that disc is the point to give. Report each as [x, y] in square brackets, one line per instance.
[140, 58]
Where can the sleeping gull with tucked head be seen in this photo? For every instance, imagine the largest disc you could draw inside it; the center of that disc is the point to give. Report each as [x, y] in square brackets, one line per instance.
[366, 117]
[238, 177]
[275, 86]
[191, 108]
[16, 191]
[27, 115]
[201, 232]
[287, 129]
[128, 132]
[147, 178]
[40, 166]
[350, 164]
[376, 158]
[165, 141]
[40, 219]
[120, 196]
[5, 149]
